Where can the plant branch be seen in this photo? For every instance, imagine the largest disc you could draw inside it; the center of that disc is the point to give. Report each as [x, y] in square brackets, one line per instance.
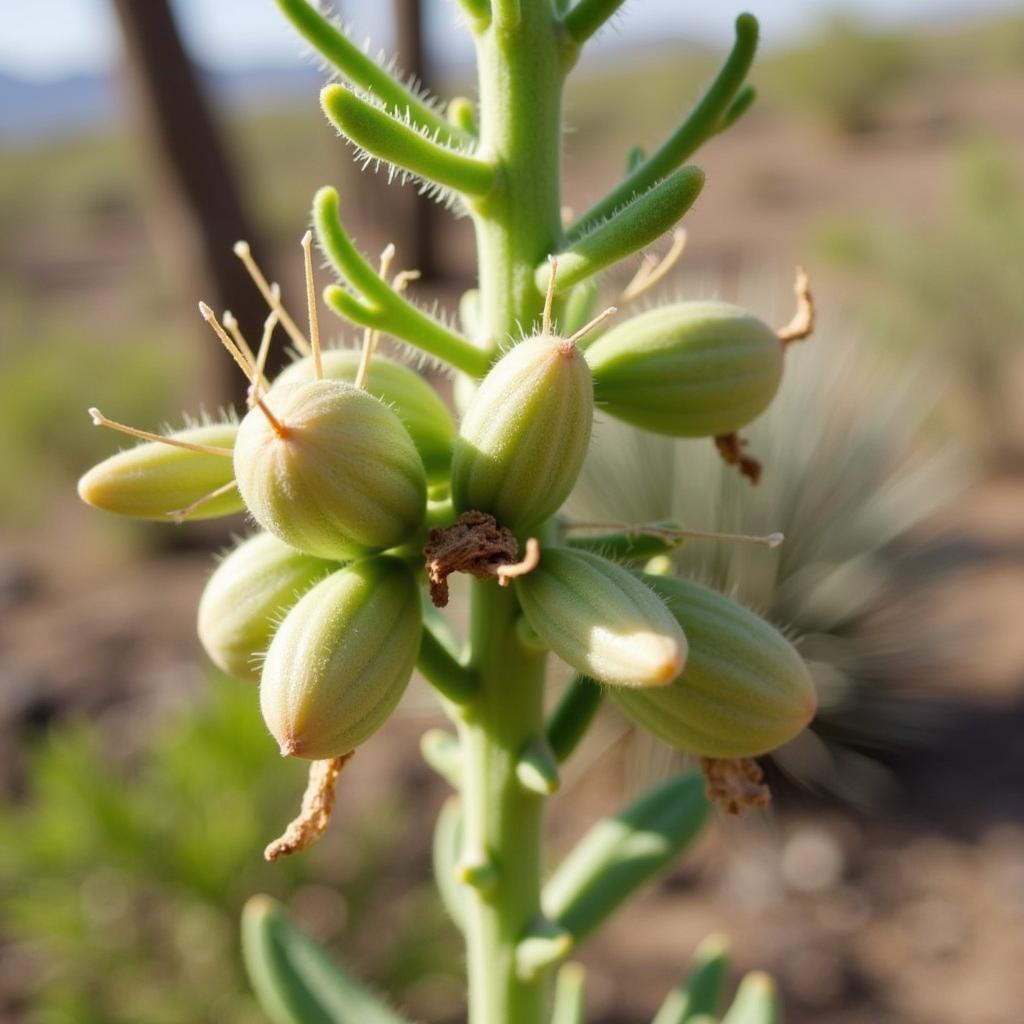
[704, 120]
[587, 16]
[363, 71]
[453, 680]
[381, 307]
[570, 720]
[392, 140]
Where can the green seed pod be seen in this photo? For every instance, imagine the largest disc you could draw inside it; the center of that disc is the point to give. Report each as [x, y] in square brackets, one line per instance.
[690, 369]
[418, 405]
[744, 690]
[602, 620]
[334, 474]
[154, 480]
[525, 434]
[246, 596]
[341, 659]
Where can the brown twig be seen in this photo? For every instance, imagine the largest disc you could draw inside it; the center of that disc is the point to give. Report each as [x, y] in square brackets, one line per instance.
[730, 447]
[802, 323]
[735, 785]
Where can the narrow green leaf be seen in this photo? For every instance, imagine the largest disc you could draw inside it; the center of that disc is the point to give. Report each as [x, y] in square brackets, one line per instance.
[745, 99]
[571, 719]
[391, 139]
[447, 845]
[634, 158]
[701, 992]
[628, 229]
[703, 121]
[362, 70]
[588, 16]
[757, 1002]
[621, 853]
[383, 309]
[294, 979]
[570, 1002]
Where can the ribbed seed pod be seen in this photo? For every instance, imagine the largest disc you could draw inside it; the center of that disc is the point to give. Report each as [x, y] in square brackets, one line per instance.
[247, 595]
[744, 691]
[340, 479]
[525, 434]
[341, 659]
[690, 369]
[602, 620]
[418, 405]
[152, 480]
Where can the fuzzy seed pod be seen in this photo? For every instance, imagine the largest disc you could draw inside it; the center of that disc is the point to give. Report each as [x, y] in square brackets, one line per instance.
[525, 434]
[153, 480]
[341, 659]
[690, 369]
[602, 620]
[336, 475]
[745, 690]
[418, 405]
[247, 595]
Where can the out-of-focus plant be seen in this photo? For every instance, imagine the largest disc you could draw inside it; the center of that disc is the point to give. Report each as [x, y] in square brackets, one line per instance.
[852, 474]
[139, 870]
[953, 290]
[846, 74]
[370, 496]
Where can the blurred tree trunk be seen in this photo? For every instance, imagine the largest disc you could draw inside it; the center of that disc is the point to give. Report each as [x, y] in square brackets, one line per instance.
[414, 214]
[197, 205]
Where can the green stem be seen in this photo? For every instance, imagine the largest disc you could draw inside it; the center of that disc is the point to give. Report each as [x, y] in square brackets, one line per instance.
[503, 819]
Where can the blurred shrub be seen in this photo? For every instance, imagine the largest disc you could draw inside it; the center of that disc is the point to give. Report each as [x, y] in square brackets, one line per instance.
[847, 476]
[952, 290]
[121, 884]
[845, 75]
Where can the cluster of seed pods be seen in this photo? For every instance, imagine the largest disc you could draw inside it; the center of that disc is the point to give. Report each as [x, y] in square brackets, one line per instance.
[347, 460]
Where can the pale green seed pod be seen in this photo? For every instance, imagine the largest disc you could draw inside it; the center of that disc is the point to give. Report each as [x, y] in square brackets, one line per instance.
[744, 691]
[153, 480]
[602, 620]
[341, 659]
[689, 369]
[247, 596]
[525, 435]
[336, 476]
[418, 405]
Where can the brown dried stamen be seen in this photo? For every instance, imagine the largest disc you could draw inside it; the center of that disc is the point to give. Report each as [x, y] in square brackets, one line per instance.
[802, 323]
[315, 814]
[735, 785]
[476, 544]
[730, 447]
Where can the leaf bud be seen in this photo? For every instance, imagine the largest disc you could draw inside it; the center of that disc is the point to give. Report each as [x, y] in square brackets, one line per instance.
[341, 659]
[330, 470]
[602, 620]
[688, 369]
[744, 691]
[246, 596]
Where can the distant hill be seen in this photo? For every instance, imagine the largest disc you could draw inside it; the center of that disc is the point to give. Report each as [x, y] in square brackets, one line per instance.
[36, 110]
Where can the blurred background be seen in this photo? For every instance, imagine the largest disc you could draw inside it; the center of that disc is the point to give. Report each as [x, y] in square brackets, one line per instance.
[137, 788]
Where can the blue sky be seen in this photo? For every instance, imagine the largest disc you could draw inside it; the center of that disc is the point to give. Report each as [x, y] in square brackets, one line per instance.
[50, 38]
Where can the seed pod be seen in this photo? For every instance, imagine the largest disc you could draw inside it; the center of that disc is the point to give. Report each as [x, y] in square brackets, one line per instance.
[418, 405]
[602, 620]
[689, 369]
[335, 475]
[247, 595]
[341, 659]
[525, 434]
[153, 480]
[744, 690]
